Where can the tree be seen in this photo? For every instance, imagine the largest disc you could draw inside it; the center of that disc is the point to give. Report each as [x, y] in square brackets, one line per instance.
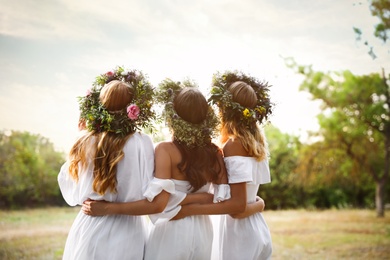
[381, 10]
[360, 109]
[29, 166]
[330, 176]
[282, 192]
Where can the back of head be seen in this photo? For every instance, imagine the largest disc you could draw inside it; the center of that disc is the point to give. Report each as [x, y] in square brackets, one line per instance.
[118, 104]
[191, 105]
[116, 95]
[232, 121]
[250, 136]
[192, 122]
[243, 94]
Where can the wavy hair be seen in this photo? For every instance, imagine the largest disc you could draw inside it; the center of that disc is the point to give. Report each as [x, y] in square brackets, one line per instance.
[103, 149]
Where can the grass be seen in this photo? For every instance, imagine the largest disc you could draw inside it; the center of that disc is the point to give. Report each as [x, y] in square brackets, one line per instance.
[329, 234]
[35, 233]
[296, 234]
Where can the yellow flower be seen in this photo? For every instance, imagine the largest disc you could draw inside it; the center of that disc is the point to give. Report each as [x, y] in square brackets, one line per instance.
[246, 112]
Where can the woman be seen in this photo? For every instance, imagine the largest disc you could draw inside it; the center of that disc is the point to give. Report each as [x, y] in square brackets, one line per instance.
[243, 103]
[111, 161]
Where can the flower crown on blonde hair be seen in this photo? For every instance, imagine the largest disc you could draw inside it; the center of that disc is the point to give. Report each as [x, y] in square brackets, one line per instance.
[135, 116]
[233, 111]
[184, 132]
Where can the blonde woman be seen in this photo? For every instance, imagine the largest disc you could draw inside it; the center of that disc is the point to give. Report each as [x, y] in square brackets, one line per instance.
[244, 104]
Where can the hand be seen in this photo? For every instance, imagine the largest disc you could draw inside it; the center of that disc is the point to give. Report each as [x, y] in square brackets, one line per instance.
[261, 203]
[95, 207]
[252, 208]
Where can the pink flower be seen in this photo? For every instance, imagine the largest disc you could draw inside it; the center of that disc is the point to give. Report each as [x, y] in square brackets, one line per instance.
[133, 112]
[89, 92]
[110, 73]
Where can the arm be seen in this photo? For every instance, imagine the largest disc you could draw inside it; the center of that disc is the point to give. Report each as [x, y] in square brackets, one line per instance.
[198, 198]
[235, 205]
[140, 207]
[251, 209]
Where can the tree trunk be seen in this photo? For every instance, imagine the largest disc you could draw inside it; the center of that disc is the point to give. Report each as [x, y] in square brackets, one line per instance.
[379, 198]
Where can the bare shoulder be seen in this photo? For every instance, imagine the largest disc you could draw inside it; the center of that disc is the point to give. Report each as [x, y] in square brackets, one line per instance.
[167, 149]
[164, 146]
[234, 147]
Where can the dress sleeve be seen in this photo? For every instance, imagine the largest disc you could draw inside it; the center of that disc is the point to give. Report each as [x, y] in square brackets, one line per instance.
[156, 186]
[75, 192]
[148, 159]
[238, 169]
[221, 192]
[67, 185]
[247, 169]
[262, 173]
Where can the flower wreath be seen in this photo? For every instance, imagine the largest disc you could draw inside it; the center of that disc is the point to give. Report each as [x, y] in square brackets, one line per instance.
[135, 116]
[233, 111]
[184, 132]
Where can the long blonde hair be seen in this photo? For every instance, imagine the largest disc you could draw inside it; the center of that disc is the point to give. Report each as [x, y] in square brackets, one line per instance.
[103, 149]
[253, 140]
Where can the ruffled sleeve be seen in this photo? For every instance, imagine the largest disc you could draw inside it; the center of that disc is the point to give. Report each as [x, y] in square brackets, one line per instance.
[173, 207]
[75, 192]
[247, 169]
[262, 173]
[238, 169]
[156, 186]
[67, 186]
[221, 192]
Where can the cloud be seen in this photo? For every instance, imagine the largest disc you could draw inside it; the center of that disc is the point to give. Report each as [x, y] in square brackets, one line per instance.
[52, 51]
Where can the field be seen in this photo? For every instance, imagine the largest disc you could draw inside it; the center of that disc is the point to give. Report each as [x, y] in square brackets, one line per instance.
[297, 234]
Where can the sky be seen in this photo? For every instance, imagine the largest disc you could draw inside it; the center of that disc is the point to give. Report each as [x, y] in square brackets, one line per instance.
[52, 50]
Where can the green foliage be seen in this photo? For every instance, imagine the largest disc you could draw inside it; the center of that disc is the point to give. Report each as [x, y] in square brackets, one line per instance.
[356, 114]
[355, 129]
[283, 191]
[314, 175]
[29, 166]
[381, 10]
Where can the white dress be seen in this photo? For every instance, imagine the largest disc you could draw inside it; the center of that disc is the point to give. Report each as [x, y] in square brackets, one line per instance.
[247, 238]
[115, 236]
[189, 238]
